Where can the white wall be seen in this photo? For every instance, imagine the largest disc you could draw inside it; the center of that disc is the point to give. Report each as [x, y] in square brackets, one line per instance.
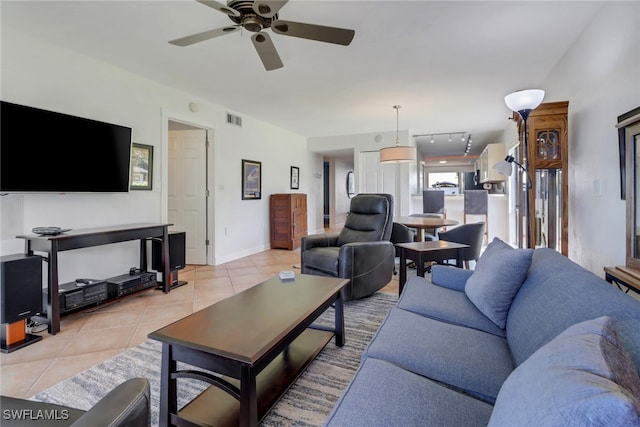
[600, 77]
[38, 74]
[401, 184]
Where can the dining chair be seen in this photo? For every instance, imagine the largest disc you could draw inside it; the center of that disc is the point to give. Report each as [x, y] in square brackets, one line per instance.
[429, 233]
[469, 234]
[476, 202]
[433, 202]
[400, 233]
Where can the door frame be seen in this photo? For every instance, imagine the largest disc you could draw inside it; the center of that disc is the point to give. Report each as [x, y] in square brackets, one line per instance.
[167, 116]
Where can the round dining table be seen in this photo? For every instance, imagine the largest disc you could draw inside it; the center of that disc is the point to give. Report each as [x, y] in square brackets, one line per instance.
[421, 223]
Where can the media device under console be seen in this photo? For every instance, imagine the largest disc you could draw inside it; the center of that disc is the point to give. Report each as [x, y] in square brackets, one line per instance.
[80, 293]
[126, 284]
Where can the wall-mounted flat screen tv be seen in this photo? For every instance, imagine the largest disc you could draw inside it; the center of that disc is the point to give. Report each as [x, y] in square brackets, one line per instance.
[48, 152]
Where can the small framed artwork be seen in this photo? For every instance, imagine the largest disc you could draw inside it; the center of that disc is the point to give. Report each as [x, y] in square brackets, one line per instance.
[295, 178]
[141, 167]
[251, 179]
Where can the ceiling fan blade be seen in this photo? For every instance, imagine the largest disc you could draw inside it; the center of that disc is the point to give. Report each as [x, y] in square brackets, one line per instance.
[205, 35]
[267, 51]
[313, 32]
[268, 8]
[220, 7]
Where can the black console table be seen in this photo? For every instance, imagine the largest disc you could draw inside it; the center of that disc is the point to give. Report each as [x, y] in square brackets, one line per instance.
[87, 237]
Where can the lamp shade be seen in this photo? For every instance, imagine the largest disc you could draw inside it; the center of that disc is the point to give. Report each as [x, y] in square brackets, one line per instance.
[503, 167]
[524, 99]
[398, 154]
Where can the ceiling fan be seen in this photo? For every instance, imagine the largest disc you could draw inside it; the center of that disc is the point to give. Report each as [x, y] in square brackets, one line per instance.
[258, 15]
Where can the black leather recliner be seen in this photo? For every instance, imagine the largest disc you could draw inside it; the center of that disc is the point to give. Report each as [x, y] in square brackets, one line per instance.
[127, 405]
[361, 252]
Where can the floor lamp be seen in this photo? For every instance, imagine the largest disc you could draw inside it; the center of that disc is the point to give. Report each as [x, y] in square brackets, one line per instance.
[523, 102]
[504, 168]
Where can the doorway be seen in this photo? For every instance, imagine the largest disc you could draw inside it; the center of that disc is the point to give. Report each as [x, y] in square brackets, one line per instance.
[188, 194]
[326, 195]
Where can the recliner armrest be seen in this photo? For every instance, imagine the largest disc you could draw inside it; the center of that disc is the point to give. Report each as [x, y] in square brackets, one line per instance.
[365, 253]
[126, 405]
[318, 240]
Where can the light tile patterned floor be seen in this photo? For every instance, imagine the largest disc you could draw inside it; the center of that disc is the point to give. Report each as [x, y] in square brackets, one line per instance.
[101, 332]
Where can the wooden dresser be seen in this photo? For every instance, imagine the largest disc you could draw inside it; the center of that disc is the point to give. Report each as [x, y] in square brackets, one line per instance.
[288, 220]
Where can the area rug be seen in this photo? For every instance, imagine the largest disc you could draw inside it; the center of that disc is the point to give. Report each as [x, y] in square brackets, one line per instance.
[307, 402]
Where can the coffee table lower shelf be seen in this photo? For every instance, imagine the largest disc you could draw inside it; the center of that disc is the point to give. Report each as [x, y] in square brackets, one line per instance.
[214, 407]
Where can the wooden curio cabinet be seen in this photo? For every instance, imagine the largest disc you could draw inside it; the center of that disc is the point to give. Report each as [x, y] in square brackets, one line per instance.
[547, 163]
[288, 220]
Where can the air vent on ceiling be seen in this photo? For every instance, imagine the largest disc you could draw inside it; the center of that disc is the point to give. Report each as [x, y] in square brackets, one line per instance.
[234, 120]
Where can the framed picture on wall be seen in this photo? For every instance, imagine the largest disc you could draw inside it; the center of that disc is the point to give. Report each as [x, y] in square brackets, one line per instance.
[295, 178]
[141, 176]
[251, 179]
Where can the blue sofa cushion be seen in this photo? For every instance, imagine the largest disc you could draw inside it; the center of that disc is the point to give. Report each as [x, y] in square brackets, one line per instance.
[497, 277]
[559, 293]
[422, 297]
[583, 377]
[383, 395]
[450, 277]
[466, 359]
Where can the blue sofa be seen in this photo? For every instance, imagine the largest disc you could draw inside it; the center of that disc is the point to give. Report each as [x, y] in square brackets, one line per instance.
[568, 351]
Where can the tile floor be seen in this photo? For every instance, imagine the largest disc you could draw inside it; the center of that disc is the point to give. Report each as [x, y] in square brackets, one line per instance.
[98, 333]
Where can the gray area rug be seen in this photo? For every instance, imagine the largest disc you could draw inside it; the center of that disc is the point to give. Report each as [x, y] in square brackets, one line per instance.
[307, 402]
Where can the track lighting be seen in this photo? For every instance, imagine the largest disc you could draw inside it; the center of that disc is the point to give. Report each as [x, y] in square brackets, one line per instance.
[464, 136]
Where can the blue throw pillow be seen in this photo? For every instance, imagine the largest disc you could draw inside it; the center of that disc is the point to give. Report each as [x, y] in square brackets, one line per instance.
[497, 277]
[584, 377]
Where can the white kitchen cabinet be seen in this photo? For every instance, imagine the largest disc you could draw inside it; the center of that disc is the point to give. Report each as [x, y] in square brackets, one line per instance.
[492, 154]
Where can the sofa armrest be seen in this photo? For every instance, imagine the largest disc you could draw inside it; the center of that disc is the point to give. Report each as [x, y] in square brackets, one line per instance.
[450, 277]
[318, 240]
[126, 405]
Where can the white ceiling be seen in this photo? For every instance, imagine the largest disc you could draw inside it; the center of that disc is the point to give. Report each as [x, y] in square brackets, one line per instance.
[448, 63]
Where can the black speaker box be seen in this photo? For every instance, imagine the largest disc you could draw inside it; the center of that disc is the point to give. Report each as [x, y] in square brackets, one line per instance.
[20, 287]
[177, 248]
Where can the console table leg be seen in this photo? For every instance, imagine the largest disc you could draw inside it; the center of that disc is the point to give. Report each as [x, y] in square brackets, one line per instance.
[53, 301]
[166, 272]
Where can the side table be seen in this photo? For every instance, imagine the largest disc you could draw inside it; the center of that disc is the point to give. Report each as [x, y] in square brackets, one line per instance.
[625, 276]
[422, 252]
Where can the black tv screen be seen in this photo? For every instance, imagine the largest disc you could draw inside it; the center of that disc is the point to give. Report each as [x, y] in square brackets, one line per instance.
[44, 151]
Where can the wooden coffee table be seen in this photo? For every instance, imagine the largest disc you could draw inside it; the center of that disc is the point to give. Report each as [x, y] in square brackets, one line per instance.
[421, 252]
[257, 342]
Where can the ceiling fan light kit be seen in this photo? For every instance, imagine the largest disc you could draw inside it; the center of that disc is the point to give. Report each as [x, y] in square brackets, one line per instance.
[256, 16]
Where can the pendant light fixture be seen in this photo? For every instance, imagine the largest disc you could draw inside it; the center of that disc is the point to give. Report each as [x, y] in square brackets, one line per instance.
[398, 153]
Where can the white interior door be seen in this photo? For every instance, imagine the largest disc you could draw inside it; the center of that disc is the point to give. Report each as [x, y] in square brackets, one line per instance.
[370, 173]
[187, 190]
